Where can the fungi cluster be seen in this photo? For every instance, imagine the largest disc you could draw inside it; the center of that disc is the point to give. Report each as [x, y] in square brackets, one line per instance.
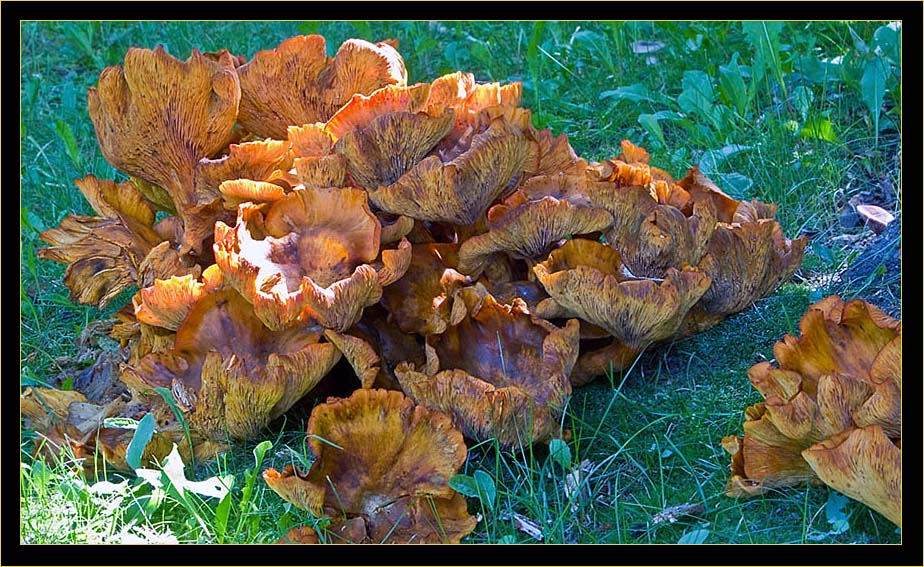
[285, 212]
[831, 411]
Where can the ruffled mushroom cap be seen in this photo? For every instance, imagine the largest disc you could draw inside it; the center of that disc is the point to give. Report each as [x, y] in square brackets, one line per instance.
[166, 303]
[702, 189]
[256, 161]
[841, 377]
[306, 257]
[238, 191]
[747, 262]
[499, 372]
[383, 463]
[628, 169]
[231, 373]
[107, 254]
[361, 110]
[460, 191]
[296, 83]
[157, 116]
[653, 237]
[529, 230]
[583, 279]
[421, 302]
[466, 98]
[865, 465]
[390, 145]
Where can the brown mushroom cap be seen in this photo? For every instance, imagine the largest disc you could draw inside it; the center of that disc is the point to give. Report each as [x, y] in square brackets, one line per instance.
[296, 83]
[460, 191]
[831, 407]
[232, 373]
[583, 277]
[499, 371]
[307, 250]
[156, 117]
[747, 262]
[421, 301]
[653, 237]
[530, 230]
[390, 145]
[865, 465]
[383, 460]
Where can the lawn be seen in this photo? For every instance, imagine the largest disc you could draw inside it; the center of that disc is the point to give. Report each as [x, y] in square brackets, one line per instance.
[806, 115]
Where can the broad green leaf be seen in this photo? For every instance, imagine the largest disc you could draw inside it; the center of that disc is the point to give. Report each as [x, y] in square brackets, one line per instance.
[560, 453]
[823, 252]
[650, 123]
[735, 184]
[695, 536]
[222, 513]
[260, 451]
[712, 160]
[464, 485]
[636, 93]
[834, 512]
[887, 42]
[487, 492]
[507, 539]
[815, 70]
[732, 87]
[764, 37]
[858, 42]
[143, 434]
[817, 128]
[872, 88]
[698, 97]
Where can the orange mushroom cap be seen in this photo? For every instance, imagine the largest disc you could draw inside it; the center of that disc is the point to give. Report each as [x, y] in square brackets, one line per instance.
[865, 465]
[461, 190]
[499, 371]
[296, 83]
[230, 372]
[307, 250]
[156, 117]
[421, 301]
[583, 277]
[833, 406]
[530, 230]
[384, 464]
[747, 262]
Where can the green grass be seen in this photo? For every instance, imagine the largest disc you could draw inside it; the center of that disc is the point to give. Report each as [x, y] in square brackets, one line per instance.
[652, 438]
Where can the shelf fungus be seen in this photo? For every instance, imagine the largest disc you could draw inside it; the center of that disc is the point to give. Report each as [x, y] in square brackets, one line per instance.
[831, 410]
[229, 372]
[297, 83]
[500, 372]
[156, 117]
[307, 257]
[585, 279]
[381, 473]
